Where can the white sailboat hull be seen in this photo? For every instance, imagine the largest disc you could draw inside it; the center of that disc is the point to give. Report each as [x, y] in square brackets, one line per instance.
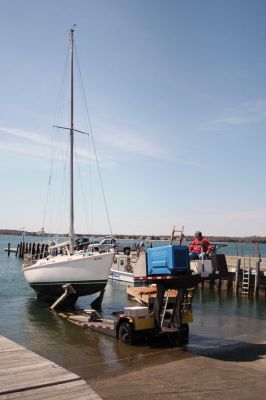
[87, 274]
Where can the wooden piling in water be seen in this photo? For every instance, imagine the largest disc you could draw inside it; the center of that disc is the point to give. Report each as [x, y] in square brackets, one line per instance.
[17, 252]
[38, 250]
[237, 275]
[21, 250]
[256, 283]
[42, 250]
[212, 281]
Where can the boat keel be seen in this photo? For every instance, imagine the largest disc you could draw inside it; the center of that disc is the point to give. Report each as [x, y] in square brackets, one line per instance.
[97, 303]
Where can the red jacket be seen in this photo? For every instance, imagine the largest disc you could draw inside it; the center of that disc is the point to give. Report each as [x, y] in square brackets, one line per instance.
[199, 246]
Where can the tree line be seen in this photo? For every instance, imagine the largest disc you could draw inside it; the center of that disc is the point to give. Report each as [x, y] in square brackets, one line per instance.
[249, 239]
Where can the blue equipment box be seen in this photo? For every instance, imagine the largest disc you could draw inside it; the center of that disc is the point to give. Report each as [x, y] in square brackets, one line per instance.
[167, 260]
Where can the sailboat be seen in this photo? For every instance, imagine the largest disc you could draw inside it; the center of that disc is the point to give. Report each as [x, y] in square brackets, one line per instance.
[67, 276]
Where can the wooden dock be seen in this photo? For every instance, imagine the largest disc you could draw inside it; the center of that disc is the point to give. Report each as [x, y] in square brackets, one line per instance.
[26, 375]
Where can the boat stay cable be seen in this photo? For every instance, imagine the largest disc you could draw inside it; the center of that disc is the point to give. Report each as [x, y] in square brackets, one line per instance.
[58, 111]
[92, 139]
[58, 116]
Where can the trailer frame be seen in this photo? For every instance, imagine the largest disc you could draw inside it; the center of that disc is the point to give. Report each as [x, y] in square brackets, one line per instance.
[171, 324]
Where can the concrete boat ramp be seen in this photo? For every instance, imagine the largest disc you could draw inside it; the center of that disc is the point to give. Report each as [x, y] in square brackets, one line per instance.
[26, 375]
[237, 374]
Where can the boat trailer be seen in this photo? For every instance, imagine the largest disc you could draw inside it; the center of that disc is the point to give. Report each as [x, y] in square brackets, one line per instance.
[167, 321]
[168, 268]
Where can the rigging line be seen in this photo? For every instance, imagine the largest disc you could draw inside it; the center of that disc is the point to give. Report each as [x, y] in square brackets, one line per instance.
[61, 205]
[57, 108]
[91, 188]
[90, 199]
[92, 138]
[86, 217]
[100, 176]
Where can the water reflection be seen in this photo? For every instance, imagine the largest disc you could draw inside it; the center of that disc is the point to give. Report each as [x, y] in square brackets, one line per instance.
[223, 321]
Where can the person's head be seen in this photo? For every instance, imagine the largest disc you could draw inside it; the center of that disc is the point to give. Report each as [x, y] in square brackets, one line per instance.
[198, 235]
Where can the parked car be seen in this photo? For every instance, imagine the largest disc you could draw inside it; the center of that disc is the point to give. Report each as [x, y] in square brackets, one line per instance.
[108, 243]
[82, 243]
[103, 245]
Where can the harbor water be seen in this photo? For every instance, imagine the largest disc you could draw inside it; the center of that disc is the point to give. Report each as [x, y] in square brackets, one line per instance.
[221, 321]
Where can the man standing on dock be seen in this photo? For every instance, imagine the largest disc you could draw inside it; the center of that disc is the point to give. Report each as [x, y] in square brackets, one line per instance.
[200, 247]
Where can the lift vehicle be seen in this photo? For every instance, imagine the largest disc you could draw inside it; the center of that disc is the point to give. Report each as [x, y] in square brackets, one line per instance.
[168, 268]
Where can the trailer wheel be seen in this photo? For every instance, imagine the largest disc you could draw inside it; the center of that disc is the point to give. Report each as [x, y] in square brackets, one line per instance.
[174, 340]
[126, 333]
[185, 334]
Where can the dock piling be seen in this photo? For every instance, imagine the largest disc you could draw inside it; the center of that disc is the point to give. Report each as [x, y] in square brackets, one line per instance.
[256, 283]
[237, 275]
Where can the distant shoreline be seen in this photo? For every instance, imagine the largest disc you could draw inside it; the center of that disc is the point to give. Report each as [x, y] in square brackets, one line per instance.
[250, 239]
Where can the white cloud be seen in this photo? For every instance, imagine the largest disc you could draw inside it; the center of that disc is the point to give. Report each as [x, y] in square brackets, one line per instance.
[142, 145]
[31, 136]
[127, 142]
[41, 146]
[29, 150]
[246, 113]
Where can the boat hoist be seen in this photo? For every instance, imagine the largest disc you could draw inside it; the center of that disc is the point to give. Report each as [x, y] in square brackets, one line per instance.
[167, 268]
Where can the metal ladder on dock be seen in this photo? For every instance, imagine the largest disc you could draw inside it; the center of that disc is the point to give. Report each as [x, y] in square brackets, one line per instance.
[164, 308]
[246, 278]
[168, 313]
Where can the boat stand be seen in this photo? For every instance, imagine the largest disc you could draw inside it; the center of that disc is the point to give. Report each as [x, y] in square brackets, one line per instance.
[68, 290]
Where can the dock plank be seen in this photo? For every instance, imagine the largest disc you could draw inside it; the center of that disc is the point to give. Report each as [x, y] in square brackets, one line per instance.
[78, 390]
[26, 375]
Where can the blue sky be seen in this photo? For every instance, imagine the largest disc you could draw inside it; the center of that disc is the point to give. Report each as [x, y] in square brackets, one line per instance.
[177, 101]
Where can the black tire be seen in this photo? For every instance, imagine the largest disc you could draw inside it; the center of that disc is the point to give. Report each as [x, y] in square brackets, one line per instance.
[126, 333]
[127, 251]
[174, 340]
[185, 334]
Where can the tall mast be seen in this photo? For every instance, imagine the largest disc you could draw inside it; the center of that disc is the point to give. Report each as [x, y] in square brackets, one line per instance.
[71, 228]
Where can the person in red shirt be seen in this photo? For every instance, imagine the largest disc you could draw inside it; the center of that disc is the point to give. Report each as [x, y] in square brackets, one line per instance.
[200, 247]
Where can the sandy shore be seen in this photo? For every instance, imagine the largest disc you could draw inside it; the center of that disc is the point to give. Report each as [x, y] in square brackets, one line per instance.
[234, 374]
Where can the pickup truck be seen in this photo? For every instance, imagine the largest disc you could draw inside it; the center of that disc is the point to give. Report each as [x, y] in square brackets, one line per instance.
[108, 243]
